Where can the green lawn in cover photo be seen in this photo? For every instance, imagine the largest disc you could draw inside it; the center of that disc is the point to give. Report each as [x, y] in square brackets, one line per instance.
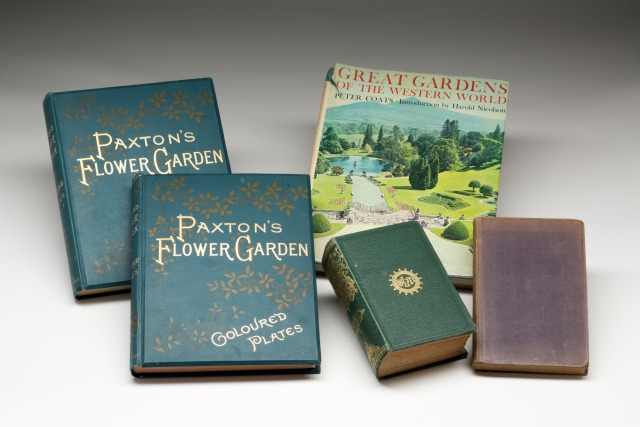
[451, 197]
[330, 192]
[468, 225]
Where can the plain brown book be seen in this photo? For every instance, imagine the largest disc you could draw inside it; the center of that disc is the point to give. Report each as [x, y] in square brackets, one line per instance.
[530, 296]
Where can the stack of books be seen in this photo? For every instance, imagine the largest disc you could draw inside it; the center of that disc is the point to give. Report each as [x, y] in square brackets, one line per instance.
[221, 264]
[398, 210]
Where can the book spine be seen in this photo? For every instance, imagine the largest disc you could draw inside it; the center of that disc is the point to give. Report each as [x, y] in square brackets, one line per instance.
[137, 271]
[319, 126]
[74, 258]
[354, 305]
[217, 112]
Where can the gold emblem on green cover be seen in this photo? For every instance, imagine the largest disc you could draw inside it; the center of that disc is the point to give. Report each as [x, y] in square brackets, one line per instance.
[405, 281]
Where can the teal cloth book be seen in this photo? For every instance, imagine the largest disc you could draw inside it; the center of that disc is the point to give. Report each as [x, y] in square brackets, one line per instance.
[99, 140]
[399, 300]
[223, 275]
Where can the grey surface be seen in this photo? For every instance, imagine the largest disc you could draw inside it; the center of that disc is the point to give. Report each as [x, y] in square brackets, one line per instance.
[571, 150]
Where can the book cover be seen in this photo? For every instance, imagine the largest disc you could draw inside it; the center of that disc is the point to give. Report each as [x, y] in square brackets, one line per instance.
[223, 275]
[99, 140]
[398, 298]
[530, 296]
[393, 146]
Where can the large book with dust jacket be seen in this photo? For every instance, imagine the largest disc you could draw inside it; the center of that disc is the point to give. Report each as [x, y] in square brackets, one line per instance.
[99, 140]
[530, 296]
[395, 146]
[401, 304]
[223, 275]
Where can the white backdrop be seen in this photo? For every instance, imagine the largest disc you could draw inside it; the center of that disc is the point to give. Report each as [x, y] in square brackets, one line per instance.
[571, 150]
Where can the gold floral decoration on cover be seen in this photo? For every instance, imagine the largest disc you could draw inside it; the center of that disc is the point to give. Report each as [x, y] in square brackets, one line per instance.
[283, 285]
[172, 338]
[106, 263]
[121, 119]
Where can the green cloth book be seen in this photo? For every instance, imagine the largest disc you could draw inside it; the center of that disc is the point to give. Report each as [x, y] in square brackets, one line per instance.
[223, 275]
[99, 140]
[530, 296]
[397, 146]
[401, 304]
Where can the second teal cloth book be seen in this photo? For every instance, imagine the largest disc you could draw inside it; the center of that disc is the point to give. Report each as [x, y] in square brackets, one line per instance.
[223, 275]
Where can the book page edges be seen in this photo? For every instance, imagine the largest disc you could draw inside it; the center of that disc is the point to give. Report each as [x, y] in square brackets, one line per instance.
[141, 370]
[421, 355]
[537, 369]
[103, 291]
